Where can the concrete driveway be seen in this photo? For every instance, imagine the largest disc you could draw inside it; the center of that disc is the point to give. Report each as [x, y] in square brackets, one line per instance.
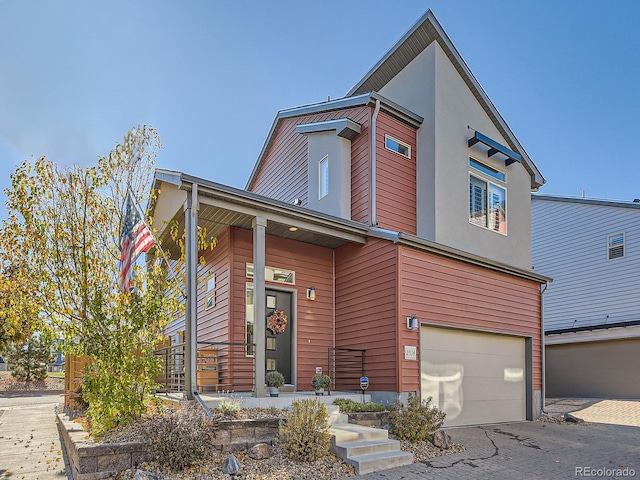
[30, 446]
[541, 450]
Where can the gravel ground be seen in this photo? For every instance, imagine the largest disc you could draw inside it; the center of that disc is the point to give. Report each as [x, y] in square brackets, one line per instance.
[277, 467]
[10, 384]
[559, 419]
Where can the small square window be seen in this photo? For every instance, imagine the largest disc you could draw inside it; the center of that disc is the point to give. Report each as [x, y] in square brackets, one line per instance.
[616, 246]
[397, 146]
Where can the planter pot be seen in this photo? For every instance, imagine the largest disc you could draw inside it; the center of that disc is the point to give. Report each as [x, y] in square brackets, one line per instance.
[320, 391]
[274, 392]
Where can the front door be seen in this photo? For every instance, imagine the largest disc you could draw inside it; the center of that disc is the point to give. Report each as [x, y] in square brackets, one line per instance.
[278, 342]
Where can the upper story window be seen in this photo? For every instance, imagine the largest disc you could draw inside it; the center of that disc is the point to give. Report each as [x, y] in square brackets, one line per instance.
[323, 177]
[487, 200]
[616, 246]
[397, 146]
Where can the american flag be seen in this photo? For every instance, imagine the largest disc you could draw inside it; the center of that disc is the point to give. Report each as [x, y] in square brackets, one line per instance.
[136, 239]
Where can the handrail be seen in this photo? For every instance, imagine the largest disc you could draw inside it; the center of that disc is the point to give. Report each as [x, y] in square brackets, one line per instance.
[204, 406]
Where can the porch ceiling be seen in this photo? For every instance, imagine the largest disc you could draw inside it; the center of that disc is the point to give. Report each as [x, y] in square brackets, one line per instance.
[217, 219]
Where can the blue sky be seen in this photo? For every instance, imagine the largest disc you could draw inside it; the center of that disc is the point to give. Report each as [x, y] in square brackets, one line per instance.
[211, 75]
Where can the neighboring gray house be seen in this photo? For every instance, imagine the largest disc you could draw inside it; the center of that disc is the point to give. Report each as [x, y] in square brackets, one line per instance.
[591, 249]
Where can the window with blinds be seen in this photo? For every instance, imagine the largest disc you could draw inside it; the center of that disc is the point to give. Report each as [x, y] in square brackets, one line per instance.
[487, 200]
[616, 246]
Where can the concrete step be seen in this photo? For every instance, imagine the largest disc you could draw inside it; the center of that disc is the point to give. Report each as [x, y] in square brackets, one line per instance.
[367, 447]
[348, 432]
[335, 417]
[375, 462]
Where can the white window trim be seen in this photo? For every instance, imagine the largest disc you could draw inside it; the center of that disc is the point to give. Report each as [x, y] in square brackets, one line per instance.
[624, 246]
[247, 286]
[323, 161]
[506, 208]
[399, 143]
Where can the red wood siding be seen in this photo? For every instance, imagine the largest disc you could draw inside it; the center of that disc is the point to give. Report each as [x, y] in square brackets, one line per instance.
[283, 174]
[213, 323]
[314, 320]
[366, 313]
[361, 171]
[396, 177]
[447, 292]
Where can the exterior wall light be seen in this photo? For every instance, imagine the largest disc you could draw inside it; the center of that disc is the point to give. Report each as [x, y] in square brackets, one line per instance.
[412, 322]
[311, 293]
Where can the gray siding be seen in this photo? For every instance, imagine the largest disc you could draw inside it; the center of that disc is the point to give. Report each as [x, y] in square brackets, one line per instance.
[569, 243]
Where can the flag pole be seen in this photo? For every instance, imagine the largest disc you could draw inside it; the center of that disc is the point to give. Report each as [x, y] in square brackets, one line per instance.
[156, 243]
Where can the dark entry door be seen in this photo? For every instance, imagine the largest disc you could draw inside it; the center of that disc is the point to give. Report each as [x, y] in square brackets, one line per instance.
[278, 344]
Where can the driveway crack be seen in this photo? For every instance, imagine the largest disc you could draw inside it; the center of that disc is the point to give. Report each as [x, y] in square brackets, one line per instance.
[524, 441]
[467, 461]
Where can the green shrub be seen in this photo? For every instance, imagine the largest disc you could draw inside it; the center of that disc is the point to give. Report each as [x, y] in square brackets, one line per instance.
[274, 379]
[230, 406]
[416, 421]
[304, 434]
[350, 406]
[320, 381]
[178, 439]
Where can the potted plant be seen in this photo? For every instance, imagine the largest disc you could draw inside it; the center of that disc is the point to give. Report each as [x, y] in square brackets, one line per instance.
[319, 382]
[274, 380]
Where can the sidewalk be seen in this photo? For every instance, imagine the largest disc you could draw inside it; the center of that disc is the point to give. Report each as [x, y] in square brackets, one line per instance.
[29, 442]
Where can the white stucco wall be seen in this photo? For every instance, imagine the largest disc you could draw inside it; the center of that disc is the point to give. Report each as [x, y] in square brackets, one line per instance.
[338, 150]
[431, 87]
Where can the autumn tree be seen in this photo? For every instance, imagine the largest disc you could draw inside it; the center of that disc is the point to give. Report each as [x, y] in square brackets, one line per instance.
[63, 230]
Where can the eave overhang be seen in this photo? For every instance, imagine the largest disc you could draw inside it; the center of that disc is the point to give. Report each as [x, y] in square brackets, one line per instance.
[445, 251]
[421, 34]
[367, 99]
[222, 206]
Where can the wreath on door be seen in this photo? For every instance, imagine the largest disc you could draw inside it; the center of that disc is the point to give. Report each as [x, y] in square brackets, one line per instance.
[277, 322]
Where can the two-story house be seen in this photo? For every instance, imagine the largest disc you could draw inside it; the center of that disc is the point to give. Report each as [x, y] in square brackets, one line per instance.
[591, 248]
[392, 223]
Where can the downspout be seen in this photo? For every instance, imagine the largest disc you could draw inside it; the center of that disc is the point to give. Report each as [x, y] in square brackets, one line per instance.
[542, 345]
[374, 122]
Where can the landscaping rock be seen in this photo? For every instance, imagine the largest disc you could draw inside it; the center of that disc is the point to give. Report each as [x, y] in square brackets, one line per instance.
[442, 440]
[231, 465]
[259, 451]
[570, 418]
[142, 475]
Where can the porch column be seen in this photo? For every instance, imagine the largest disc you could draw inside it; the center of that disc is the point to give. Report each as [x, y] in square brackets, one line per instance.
[191, 307]
[259, 307]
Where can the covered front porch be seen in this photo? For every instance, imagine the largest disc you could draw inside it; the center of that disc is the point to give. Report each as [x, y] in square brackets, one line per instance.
[228, 300]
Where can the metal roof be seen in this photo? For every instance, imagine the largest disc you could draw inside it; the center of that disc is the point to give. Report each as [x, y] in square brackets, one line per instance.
[585, 201]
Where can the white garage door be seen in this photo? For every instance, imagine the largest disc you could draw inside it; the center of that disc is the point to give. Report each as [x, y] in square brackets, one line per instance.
[474, 377]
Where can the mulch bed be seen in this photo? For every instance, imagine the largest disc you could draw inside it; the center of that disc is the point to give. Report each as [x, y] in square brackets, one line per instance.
[9, 384]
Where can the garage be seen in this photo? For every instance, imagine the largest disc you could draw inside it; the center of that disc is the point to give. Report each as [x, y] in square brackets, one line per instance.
[597, 369]
[474, 377]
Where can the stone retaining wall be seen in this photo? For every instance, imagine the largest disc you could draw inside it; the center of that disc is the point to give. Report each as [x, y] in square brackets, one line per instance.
[236, 435]
[369, 419]
[91, 461]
